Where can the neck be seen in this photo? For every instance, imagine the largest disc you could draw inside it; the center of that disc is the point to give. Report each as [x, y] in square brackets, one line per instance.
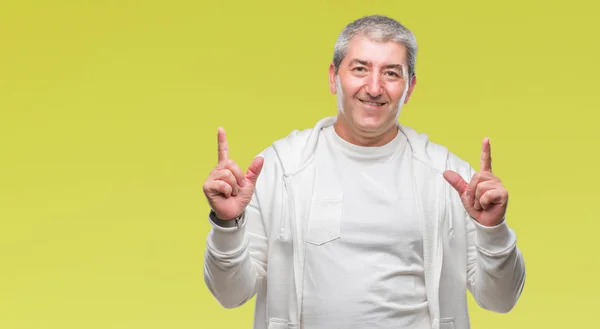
[364, 138]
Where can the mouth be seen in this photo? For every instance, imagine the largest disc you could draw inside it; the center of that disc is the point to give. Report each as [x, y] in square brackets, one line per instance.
[372, 104]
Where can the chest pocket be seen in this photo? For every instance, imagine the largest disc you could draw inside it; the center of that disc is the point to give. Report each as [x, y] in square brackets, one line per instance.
[325, 220]
[447, 323]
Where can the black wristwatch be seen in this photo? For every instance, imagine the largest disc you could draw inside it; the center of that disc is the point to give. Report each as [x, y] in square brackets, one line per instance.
[222, 222]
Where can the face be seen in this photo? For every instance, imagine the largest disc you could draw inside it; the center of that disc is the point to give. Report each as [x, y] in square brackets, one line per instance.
[371, 87]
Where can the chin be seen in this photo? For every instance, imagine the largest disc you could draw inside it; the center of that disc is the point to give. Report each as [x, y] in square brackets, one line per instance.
[370, 124]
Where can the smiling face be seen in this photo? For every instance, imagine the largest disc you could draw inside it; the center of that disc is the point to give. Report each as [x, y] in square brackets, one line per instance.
[371, 86]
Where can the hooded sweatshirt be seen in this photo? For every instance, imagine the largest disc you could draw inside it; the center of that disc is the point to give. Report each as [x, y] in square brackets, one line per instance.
[265, 254]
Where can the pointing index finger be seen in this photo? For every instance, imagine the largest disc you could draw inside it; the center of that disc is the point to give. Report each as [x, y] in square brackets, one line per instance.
[223, 148]
[486, 155]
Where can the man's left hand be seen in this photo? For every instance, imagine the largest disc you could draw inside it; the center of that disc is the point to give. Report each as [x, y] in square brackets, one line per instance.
[484, 197]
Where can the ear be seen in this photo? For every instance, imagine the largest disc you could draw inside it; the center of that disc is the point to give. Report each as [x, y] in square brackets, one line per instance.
[413, 83]
[332, 82]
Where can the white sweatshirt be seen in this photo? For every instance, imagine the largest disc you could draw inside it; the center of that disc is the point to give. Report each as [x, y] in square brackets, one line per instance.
[265, 255]
[371, 273]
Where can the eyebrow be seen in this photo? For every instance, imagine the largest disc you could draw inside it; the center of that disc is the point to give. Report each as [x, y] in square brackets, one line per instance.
[367, 63]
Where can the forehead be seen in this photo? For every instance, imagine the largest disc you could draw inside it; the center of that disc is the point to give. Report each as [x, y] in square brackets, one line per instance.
[375, 52]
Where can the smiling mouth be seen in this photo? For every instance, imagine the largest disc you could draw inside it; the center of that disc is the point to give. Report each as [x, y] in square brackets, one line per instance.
[372, 103]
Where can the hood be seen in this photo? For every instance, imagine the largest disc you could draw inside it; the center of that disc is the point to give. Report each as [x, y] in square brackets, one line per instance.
[297, 149]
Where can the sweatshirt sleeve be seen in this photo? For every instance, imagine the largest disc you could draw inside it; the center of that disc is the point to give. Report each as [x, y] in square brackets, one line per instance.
[495, 265]
[236, 255]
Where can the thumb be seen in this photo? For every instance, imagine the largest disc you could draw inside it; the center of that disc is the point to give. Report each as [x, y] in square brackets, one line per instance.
[456, 181]
[254, 169]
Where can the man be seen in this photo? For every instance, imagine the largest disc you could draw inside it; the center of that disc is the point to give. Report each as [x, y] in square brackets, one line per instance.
[361, 222]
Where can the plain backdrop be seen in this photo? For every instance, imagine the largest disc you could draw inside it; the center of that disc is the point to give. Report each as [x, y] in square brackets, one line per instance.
[108, 120]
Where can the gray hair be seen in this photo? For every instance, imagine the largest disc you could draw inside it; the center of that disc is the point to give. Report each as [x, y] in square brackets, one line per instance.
[378, 28]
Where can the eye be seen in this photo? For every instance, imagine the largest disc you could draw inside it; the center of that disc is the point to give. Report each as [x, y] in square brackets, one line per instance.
[359, 69]
[392, 74]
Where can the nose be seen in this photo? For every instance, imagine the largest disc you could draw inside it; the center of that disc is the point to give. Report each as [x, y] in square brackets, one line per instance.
[373, 86]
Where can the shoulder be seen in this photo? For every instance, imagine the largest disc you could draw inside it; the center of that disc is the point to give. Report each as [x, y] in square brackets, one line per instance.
[435, 156]
[294, 141]
[283, 152]
[297, 149]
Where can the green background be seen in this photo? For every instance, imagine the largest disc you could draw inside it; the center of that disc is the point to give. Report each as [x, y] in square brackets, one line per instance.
[109, 113]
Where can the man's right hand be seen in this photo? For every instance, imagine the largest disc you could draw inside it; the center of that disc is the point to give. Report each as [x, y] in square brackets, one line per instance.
[227, 189]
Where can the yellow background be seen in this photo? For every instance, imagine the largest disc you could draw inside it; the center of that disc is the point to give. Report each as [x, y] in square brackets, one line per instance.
[108, 120]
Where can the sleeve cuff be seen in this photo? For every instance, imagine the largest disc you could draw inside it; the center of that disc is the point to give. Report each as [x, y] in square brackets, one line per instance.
[494, 239]
[226, 236]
